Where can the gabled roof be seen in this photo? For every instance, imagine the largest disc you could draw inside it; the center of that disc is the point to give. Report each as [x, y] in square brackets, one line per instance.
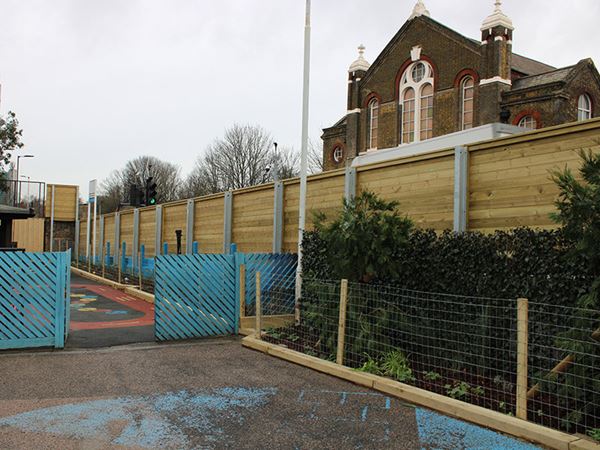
[529, 66]
[554, 76]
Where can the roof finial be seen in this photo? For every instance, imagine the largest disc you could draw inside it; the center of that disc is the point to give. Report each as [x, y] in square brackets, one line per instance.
[361, 63]
[419, 10]
[497, 18]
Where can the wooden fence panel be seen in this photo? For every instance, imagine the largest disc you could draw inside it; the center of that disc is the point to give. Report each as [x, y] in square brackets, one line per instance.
[127, 231]
[148, 231]
[29, 234]
[252, 224]
[424, 188]
[208, 224]
[510, 185]
[109, 232]
[291, 200]
[174, 218]
[65, 202]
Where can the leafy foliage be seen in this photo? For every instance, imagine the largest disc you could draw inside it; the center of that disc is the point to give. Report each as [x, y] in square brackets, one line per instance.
[362, 240]
[10, 136]
[393, 364]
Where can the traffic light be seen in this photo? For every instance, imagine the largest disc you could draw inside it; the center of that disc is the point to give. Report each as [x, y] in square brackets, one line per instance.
[150, 191]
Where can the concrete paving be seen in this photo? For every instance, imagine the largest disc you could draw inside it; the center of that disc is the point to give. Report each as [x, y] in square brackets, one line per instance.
[210, 394]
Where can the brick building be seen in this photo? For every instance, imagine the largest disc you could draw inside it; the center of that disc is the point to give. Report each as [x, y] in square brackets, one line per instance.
[431, 81]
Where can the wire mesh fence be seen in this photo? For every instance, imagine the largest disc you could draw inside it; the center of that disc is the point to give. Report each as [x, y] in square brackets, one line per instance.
[143, 279]
[482, 351]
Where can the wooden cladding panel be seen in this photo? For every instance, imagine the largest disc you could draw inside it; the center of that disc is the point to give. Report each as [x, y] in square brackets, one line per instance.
[174, 218]
[65, 202]
[29, 234]
[127, 231]
[291, 199]
[82, 237]
[424, 189]
[511, 186]
[208, 224]
[147, 236]
[109, 232]
[252, 226]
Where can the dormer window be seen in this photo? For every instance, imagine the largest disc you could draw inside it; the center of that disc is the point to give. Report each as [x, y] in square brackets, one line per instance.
[416, 101]
[584, 107]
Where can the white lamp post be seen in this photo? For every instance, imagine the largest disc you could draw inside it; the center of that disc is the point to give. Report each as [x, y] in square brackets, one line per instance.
[303, 158]
[18, 186]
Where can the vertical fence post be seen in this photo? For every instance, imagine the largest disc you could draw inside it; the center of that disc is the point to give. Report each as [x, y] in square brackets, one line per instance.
[278, 217]
[342, 322]
[117, 238]
[228, 206]
[103, 262]
[189, 227]
[166, 248]
[158, 229]
[242, 290]
[522, 347]
[77, 229]
[350, 183]
[461, 175]
[140, 269]
[258, 308]
[59, 311]
[136, 239]
[101, 237]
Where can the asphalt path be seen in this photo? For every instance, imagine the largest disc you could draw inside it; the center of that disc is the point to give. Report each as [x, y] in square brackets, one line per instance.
[211, 394]
[102, 316]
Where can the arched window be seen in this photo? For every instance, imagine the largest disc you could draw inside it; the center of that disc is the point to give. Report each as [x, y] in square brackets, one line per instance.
[416, 100]
[528, 121]
[373, 123]
[338, 154]
[408, 116]
[426, 112]
[584, 107]
[467, 103]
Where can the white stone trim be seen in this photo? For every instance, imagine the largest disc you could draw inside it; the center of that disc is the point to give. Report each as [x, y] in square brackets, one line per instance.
[499, 38]
[496, 79]
[484, 42]
[353, 111]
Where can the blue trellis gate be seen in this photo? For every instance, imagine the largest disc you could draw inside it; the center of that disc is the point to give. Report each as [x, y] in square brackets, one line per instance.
[34, 299]
[195, 296]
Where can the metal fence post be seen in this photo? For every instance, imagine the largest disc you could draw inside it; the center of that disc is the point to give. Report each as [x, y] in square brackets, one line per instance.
[228, 206]
[136, 238]
[77, 228]
[158, 230]
[461, 180]
[189, 229]
[278, 217]
[258, 308]
[116, 258]
[350, 183]
[522, 350]
[101, 232]
[342, 322]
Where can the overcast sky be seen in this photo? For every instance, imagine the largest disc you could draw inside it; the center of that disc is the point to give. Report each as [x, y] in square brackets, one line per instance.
[95, 83]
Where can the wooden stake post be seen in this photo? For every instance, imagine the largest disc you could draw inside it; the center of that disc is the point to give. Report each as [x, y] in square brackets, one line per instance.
[342, 322]
[522, 346]
[242, 290]
[258, 308]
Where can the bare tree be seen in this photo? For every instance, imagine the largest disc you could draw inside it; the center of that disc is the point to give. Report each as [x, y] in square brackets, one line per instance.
[315, 157]
[116, 187]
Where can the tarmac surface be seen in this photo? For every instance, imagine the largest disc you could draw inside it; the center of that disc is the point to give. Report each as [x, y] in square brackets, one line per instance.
[102, 316]
[210, 394]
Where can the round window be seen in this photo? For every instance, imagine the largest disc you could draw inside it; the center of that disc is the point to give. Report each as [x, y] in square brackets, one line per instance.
[338, 154]
[418, 72]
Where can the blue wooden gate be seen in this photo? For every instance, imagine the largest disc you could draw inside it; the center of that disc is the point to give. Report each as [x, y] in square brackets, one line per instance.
[195, 296]
[34, 299]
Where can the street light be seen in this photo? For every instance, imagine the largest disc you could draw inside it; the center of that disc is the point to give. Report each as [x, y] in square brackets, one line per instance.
[19, 184]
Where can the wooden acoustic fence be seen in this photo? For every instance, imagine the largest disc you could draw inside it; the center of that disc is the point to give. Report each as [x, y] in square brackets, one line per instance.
[497, 184]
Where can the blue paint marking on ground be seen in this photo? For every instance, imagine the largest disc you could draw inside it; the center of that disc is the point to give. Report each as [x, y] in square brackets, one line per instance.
[150, 421]
[438, 432]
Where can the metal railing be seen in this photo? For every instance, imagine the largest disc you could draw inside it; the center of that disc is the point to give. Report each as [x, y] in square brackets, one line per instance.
[24, 194]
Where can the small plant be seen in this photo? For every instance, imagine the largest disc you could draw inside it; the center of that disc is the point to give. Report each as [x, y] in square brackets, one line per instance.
[478, 391]
[594, 433]
[432, 376]
[272, 332]
[457, 390]
[502, 406]
[293, 337]
[395, 365]
[370, 366]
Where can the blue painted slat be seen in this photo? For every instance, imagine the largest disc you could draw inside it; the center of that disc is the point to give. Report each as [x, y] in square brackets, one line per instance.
[33, 294]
